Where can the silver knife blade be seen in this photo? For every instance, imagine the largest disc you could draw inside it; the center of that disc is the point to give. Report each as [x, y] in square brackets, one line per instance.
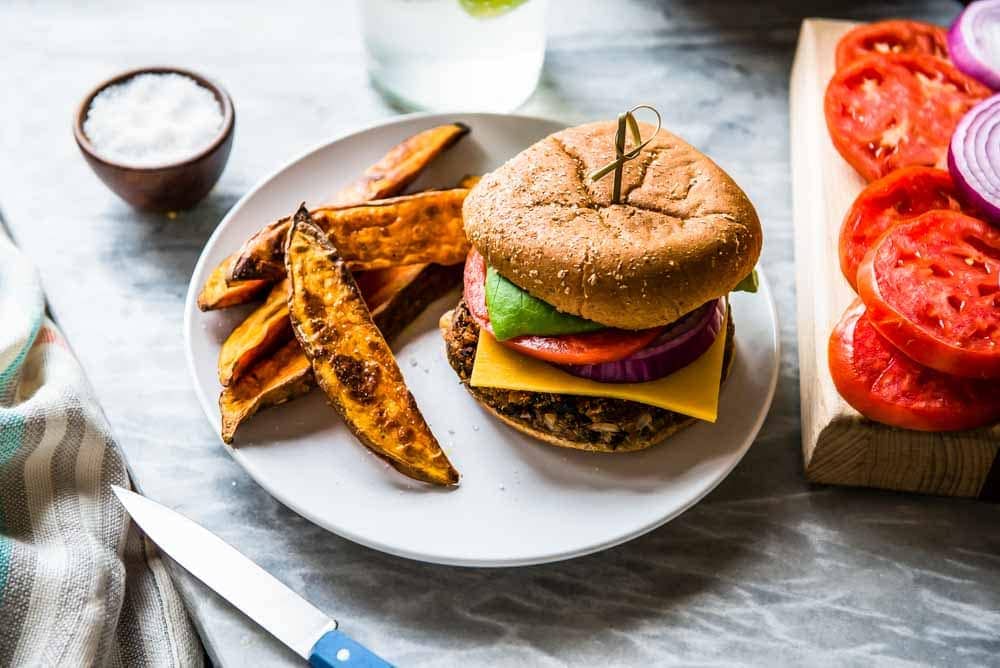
[279, 610]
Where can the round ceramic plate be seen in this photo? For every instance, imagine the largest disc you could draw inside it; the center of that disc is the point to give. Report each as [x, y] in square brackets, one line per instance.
[520, 501]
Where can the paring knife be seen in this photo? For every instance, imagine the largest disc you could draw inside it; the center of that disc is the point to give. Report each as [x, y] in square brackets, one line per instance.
[280, 611]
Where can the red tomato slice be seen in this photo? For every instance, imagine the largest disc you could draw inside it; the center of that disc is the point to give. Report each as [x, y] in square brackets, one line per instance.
[931, 288]
[474, 289]
[605, 345]
[886, 386]
[896, 110]
[903, 194]
[892, 36]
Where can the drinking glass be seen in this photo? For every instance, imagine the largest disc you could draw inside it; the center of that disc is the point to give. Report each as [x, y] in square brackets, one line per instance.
[455, 55]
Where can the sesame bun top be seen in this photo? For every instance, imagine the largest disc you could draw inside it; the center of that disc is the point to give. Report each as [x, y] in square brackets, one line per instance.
[683, 234]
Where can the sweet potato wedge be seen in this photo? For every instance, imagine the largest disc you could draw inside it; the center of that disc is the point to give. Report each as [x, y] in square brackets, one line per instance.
[406, 294]
[401, 165]
[273, 380]
[386, 178]
[411, 229]
[264, 330]
[219, 293]
[351, 361]
[396, 297]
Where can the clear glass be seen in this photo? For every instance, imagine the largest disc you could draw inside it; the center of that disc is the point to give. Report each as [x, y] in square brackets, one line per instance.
[436, 55]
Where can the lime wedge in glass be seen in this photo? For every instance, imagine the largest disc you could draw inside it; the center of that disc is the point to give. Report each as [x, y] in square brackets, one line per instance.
[487, 9]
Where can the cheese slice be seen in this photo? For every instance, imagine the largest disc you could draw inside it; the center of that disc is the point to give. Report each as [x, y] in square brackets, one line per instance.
[693, 390]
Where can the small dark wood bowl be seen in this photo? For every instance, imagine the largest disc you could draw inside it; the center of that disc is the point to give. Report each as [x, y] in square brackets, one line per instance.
[168, 187]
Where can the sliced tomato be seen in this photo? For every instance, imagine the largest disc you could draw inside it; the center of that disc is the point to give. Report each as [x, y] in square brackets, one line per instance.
[893, 36]
[474, 289]
[902, 195]
[605, 345]
[931, 288]
[897, 110]
[886, 386]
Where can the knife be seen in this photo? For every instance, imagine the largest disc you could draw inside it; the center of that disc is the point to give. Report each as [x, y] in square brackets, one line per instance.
[279, 610]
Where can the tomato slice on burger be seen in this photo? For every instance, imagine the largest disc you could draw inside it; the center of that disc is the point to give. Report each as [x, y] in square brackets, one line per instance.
[902, 195]
[890, 111]
[931, 288]
[474, 289]
[894, 36]
[606, 345]
[886, 386]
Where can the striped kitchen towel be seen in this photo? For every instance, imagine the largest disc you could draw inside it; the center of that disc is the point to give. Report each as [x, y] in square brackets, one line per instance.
[78, 585]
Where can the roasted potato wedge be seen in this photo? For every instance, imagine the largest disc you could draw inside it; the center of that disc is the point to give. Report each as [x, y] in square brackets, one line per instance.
[411, 229]
[264, 330]
[273, 380]
[406, 294]
[219, 293]
[386, 178]
[401, 165]
[469, 181]
[396, 297]
[352, 362]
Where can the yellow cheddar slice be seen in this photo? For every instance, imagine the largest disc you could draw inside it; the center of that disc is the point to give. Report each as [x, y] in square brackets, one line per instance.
[693, 390]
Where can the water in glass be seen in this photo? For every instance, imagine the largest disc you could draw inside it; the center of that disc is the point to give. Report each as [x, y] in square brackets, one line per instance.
[462, 55]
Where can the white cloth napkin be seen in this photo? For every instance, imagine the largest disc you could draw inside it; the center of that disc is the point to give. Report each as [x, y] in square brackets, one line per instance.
[79, 586]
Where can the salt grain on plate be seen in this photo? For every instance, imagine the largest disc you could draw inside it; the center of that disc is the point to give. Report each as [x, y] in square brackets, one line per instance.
[153, 119]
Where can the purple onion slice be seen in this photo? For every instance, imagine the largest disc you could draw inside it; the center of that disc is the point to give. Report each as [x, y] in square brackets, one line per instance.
[974, 158]
[680, 344]
[974, 42]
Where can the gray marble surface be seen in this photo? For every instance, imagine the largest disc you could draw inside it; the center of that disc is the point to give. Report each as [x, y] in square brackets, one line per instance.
[767, 570]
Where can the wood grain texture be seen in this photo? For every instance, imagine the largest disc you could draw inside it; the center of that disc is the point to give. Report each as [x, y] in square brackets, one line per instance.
[839, 445]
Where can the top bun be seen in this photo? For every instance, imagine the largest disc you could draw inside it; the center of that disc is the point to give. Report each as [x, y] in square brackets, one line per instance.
[684, 233]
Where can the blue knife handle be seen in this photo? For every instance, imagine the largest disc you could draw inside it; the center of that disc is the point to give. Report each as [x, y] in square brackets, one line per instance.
[336, 650]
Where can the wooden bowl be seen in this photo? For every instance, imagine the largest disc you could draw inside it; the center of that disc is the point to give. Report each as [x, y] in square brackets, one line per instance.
[167, 187]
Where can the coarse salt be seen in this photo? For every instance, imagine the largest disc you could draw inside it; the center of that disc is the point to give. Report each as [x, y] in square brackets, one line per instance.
[153, 119]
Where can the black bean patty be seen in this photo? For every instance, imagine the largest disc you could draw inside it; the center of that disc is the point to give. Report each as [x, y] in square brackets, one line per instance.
[593, 422]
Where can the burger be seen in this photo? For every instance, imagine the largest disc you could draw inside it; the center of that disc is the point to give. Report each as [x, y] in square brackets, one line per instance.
[599, 308]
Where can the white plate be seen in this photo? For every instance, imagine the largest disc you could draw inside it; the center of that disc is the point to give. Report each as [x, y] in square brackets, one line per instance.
[520, 501]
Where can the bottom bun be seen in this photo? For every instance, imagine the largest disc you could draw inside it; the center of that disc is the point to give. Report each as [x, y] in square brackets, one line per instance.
[595, 424]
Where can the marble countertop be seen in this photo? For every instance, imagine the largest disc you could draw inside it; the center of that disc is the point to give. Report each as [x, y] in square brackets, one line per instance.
[766, 570]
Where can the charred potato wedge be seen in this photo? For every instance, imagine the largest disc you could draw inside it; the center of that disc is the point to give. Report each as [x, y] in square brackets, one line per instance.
[352, 362]
[400, 293]
[264, 330]
[219, 293]
[260, 254]
[274, 380]
[401, 165]
[386, 178]
[396, 297]
[411, 229]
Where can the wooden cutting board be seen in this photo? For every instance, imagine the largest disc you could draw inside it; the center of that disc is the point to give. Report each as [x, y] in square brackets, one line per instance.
[839, 446]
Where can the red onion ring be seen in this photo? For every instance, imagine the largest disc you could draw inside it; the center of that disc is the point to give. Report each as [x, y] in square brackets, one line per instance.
[974, 158]
[680, 344]
[974, 42]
